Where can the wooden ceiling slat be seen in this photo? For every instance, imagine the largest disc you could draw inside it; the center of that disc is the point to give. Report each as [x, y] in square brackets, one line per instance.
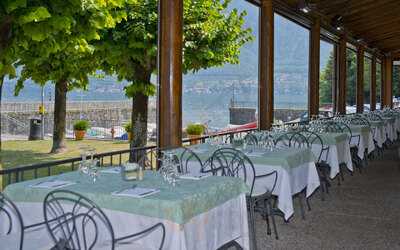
[377, 22]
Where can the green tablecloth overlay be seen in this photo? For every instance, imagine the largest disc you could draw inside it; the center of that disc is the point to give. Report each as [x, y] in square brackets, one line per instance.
[360, 128]
[286, 157]
[333, 138]
[178, 204]
[377, 124]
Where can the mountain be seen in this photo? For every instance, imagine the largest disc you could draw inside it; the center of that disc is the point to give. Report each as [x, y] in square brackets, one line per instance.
[291, 66]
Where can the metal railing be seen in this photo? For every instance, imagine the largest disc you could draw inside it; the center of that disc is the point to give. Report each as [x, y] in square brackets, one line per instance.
[114, 158]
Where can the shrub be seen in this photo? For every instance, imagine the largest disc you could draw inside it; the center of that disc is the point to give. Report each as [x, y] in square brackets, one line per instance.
[81, 125]
[128, 127]
[195, 129]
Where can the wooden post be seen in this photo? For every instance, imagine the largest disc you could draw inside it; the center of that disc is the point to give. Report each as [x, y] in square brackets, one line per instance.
[360, 80]
[169, 105]
[266, 66]
[313, 93]
[373, 84]
[341, 98]
[387, 84]
[382, 81]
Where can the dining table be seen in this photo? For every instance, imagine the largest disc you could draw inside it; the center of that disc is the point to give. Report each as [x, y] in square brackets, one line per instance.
[363, 138]
[295, 168]
[337, 153]
[197, 214]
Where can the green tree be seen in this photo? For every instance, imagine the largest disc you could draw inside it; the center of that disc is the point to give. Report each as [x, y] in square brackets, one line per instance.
[56, 45]
[212, 37]
[396, 80]
[351, 74]
[327, 78]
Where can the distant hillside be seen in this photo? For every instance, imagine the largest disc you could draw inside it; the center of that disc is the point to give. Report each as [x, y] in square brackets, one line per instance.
[291, 52]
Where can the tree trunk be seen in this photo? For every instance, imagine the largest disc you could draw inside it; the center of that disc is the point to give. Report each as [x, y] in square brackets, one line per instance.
[60, 113]
[1, 94]
[139, 118]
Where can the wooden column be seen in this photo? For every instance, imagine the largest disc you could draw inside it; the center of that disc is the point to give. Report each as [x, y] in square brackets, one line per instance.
[373, 84]
[341, 97]
[360, 80]
[382, 81]
[169, 106]
[387, 84]
[266, 66]
[313, 93]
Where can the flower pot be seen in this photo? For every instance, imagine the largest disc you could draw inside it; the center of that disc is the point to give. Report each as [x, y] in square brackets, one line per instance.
[79, 134]
[194, 142]
[130, 136]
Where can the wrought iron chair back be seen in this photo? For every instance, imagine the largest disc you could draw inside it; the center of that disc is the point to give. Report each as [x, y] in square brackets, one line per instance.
[234, 163]
[76, 222]
[188, 158]
[11, 219]
[315, 140]
[251, 139]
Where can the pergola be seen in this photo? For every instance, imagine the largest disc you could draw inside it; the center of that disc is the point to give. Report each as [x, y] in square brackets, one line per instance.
[369, 25]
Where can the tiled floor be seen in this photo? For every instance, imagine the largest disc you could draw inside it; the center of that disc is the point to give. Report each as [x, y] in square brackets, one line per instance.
[362, 213]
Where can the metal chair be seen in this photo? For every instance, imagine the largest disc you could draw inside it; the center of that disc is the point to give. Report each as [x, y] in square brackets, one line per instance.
[294, 139]
[188, 157]
[15, 229]
[322, 165]
[291, 140]
[75, 222]
[234, 163]
[250, 139]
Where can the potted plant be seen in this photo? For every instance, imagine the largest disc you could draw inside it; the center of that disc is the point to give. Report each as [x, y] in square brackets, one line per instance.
[80, 128]
[194, 131]
[129, 131]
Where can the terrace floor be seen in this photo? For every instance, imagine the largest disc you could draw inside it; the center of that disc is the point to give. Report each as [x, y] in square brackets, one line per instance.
[362, 213]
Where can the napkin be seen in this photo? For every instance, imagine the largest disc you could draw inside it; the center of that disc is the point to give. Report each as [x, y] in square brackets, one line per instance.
[197, 176]
[137, 192]
[52, 184]
[115, 170]
[256, 154]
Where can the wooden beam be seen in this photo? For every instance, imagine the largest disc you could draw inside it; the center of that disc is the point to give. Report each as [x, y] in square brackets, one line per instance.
[387, 84]
[170, 40]
[341, 98]
[313, 89]
[360, 80]
[266, 66]
[373, 84]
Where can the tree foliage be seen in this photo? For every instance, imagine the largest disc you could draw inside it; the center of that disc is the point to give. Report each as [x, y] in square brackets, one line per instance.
[54, 40]
[212, 36]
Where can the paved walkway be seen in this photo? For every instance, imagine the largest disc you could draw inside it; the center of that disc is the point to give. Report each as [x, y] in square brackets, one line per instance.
[362, 213]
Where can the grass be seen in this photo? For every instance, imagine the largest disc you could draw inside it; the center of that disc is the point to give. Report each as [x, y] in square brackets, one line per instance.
[18, 153]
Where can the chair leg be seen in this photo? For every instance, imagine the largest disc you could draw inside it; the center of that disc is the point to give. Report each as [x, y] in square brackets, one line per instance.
[272, 213]
[303, 215]
[253, 227]
[266, 217]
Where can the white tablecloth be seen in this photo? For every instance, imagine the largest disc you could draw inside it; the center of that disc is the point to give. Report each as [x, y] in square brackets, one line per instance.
[209, 230]
[366, 143]
[337, 154]
[391, 131]
[379, 135]
[290, 183]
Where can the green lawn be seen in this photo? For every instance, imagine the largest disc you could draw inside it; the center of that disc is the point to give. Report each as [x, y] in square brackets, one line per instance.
[18, 153]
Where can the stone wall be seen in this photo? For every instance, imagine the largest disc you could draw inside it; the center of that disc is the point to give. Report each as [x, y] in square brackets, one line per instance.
[16, 122]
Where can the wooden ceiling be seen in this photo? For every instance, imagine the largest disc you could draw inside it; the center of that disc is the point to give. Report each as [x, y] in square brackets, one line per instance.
[376, 22]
